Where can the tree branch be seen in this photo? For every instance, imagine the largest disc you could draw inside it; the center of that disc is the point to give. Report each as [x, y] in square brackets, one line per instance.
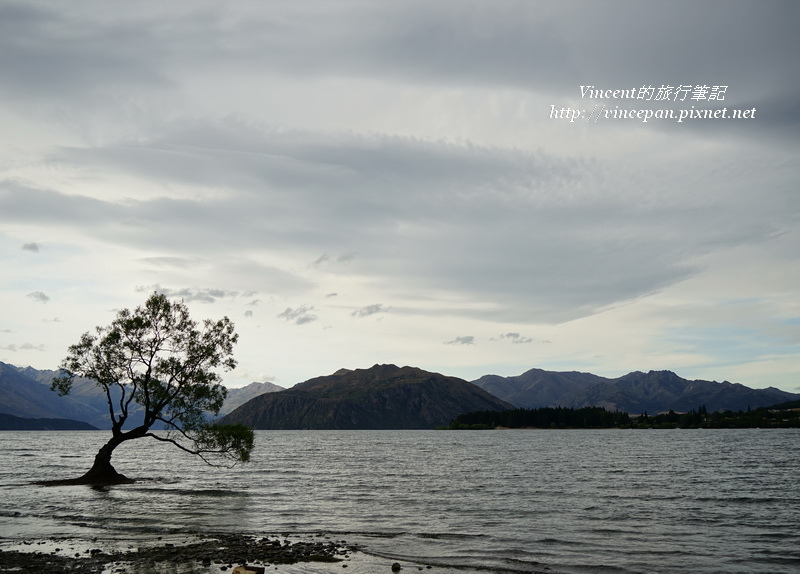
[196, 452]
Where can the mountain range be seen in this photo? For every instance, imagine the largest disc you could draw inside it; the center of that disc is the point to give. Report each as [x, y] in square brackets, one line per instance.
[387, 396]
[11, 422]
[381, 397]
[239, 396]
[25, 392]
[635, 393]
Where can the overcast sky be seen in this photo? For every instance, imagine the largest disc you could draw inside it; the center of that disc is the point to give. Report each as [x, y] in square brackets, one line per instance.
[361, 182]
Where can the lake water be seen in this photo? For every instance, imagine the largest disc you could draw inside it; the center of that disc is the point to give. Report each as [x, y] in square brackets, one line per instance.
[617, 501]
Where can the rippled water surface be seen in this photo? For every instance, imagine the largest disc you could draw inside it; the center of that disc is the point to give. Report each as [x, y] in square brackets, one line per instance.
[572, 501]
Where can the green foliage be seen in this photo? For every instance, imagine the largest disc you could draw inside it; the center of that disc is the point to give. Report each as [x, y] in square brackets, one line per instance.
[236, 439]
[158, 358]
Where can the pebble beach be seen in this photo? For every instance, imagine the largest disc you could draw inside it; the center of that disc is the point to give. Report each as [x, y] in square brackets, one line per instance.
[218, 554]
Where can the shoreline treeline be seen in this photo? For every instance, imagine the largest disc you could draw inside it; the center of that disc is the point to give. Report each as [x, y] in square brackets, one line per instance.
[780, 416]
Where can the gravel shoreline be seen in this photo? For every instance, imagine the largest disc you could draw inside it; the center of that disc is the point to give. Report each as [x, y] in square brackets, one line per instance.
[215, 553]
[223, 553]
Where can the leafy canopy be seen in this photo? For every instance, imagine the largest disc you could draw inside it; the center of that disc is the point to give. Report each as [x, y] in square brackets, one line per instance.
[156, 365]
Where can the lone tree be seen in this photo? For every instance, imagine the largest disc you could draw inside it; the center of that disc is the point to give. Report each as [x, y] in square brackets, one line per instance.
[157, 367]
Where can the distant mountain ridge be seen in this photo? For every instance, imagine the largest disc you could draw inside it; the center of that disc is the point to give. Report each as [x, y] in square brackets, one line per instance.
[536, 387]
[25, 392]
[240, 395]
[381, 397]
[349, 398]
[635, 393]
[11, 422]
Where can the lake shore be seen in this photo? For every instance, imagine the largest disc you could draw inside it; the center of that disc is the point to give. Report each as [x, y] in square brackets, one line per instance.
[212, 554]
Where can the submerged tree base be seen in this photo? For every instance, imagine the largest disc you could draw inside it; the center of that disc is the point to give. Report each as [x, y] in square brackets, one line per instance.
[91, 479]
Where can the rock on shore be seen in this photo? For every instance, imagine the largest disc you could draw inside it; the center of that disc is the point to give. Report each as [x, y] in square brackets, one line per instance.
[222, 552]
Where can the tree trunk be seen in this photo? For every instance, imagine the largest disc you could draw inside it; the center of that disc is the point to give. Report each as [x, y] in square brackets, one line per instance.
[102, 472]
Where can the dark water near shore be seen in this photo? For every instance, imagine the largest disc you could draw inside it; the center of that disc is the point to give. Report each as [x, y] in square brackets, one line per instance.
[617, 501]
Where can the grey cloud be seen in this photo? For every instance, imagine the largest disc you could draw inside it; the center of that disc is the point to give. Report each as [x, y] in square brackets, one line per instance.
[23, 347]
[39, 206]
[34, 247]
[514, 43]
[248, 314]
[180, 262]
[369, 310]
[331, 295]
[300, 315]
[324, 258]
[516, 338]
[508, 43]
[38, 296]
[543, 47]
[569, 237]
[31, 347]
[56, 54]
[376, 179]
[202, 227]
[189, 294]
[273, 279]
[465, 340]
[64, 52]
